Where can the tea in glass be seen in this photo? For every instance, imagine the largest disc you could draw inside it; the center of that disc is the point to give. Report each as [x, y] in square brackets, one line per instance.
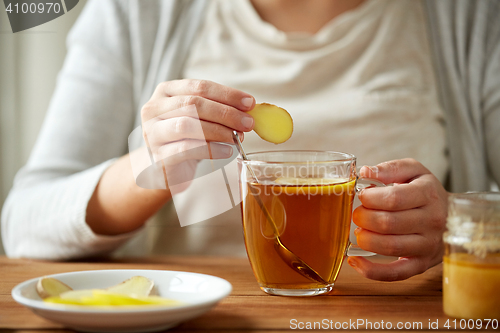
[300, 201]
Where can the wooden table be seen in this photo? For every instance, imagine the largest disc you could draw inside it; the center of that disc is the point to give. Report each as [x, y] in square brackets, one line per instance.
[415, 302]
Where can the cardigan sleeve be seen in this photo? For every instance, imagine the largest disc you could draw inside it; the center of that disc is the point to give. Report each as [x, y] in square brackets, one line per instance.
[491, 94]
[87, 125]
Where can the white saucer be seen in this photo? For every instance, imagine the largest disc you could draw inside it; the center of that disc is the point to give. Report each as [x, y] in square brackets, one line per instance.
[198, 292]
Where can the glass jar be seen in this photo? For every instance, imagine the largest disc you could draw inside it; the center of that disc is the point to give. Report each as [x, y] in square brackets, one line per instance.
[471, 271]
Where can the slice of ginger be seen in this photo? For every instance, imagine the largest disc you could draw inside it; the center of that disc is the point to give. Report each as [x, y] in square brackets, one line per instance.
[137, 286]
[272, 123]
[50, 287]
[132, 292]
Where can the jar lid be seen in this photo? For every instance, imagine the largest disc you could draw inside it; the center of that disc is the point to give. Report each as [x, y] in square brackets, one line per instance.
[478, 199]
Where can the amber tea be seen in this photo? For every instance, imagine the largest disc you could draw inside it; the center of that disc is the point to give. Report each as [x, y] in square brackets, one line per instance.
[312, 217]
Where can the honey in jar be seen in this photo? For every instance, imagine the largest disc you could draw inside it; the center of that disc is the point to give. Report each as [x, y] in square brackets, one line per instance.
[471, 265]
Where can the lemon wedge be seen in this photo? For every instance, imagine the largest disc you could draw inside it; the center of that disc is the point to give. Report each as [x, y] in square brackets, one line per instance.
[103, 298]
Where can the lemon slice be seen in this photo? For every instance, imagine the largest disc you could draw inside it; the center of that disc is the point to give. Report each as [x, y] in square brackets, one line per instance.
[132, 292]
[310, 181]
[103, 298]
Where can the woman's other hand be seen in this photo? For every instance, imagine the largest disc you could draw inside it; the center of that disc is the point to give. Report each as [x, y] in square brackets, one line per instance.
[406, 220]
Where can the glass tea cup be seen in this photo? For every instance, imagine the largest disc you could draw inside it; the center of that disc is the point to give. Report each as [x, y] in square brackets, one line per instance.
[471, 264]
[296, 210]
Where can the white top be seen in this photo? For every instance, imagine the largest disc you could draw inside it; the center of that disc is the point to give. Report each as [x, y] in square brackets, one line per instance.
[355, 86]
[368, 68]
[363, 84]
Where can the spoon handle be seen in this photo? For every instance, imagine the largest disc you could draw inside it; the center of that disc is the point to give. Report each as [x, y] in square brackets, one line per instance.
[239, 146]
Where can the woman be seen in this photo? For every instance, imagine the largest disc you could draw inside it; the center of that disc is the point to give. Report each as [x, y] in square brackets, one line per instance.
[383, 80]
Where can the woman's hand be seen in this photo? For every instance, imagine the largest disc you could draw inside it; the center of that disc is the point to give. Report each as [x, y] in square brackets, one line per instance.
[184, 121]
[184, 114]
[406, 220]
[178, 121]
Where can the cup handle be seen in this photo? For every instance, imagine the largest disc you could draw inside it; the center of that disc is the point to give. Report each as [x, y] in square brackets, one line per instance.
[354, 250]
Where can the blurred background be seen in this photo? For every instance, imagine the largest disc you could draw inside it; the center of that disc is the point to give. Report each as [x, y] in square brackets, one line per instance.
[29, 63]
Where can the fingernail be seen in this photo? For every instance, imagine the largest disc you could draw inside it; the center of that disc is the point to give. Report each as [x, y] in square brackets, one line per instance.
[373, 171]
[247, 122]
[351, 262]
[247, 102]
[220, 150]
[228, 151]
[357, 231]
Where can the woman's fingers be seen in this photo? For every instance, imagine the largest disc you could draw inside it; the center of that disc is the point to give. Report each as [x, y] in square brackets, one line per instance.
[180, 128]
[189, 111]
[396, 171]
[398, 197]
[197, 108]
[177, 152]
[206, 89]
[406, 220]
[184, 119]
[391, 223]
[212, 111]
[213, 102]
[394, 245]
[401, 269]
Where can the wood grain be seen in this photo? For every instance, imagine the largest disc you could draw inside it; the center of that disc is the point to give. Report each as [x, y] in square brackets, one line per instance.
[248, 309]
